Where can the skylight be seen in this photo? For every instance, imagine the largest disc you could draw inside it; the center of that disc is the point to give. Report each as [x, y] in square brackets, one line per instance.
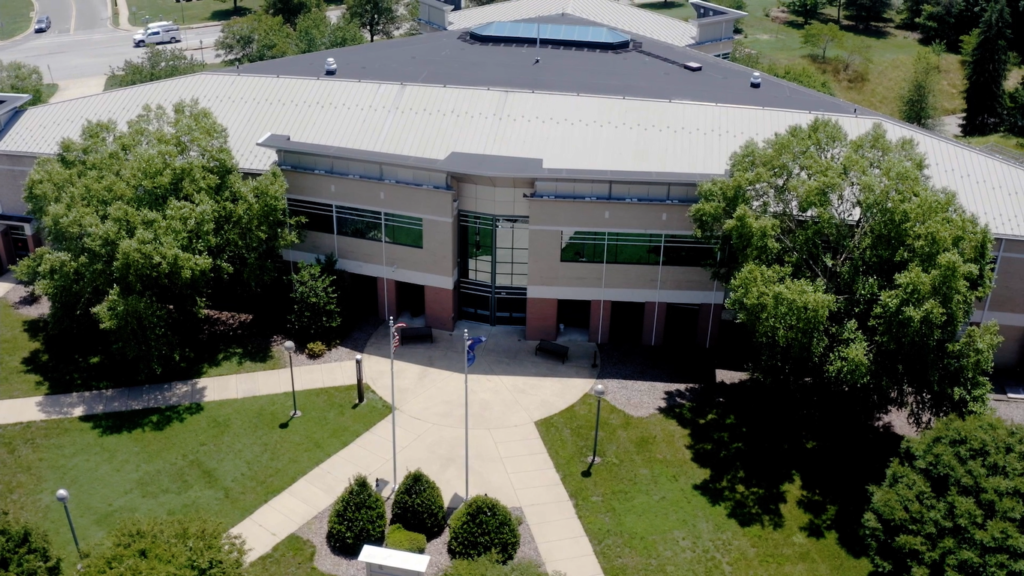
[564, 34]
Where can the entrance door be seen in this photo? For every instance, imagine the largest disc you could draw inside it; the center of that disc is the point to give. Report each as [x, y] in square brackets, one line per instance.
[493, 253]
[20, 242]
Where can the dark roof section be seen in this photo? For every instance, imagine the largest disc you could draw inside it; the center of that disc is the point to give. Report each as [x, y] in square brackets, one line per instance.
[655, 71]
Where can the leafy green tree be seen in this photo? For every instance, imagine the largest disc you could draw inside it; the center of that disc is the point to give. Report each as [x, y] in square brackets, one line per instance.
[804, 9]
[952, 502]
[865, 12]
[234, 2]
[25, 551]
[852, 271]
[917, 100]
[144, 225]
[178, 546]
[315, 312]
[985, 71]
[379, 18]
[21, 78]
[291, 10]
[155, 64]
[358, 517]
[819, 37]
[255, 38]
[314, 32]
[1015, 110]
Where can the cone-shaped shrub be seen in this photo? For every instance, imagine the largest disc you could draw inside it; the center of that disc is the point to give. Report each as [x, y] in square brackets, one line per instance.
[358, 518]
[483, 525]
[418, 505]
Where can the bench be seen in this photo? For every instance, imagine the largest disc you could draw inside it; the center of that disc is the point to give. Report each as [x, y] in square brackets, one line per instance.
[417, 333]
[549, 347]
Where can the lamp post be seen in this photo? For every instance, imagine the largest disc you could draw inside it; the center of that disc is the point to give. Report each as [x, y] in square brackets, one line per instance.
[289, 347]
[63, 497]
[599, 392]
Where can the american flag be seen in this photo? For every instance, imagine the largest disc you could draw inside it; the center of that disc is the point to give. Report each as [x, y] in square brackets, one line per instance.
[396, 338]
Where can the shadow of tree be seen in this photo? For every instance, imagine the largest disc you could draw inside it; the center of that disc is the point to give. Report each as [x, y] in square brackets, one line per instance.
[755, 440]
[147, 420]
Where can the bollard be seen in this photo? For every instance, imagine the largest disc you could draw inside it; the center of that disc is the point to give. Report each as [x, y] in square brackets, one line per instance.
[359, 378]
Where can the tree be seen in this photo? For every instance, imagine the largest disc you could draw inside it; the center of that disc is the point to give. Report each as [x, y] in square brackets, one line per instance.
[146, 224]
[865, 12]
[952, 502]
[255, 38]
[181, 545]
[291, 10]
[805, 9]
[315, 32]
[25, 551]
[1015, 110]
[985, 73]
[377, 17]
[852, 271]
[917, 100]
[315, 312]
[856, 54]
[21, 78]
[234, 2]
[155, 64]
[819, 36]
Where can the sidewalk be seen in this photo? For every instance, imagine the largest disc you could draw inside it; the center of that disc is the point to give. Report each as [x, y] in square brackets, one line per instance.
[7, 282]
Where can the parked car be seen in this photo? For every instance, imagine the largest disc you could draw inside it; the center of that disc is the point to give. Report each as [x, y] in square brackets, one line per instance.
[157, 36]
[42, 24]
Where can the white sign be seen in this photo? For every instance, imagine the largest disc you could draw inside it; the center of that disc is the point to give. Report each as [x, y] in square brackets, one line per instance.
[388, 562]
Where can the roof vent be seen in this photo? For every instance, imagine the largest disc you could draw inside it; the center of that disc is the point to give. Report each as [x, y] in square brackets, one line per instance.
[755, 80]
[693, 66]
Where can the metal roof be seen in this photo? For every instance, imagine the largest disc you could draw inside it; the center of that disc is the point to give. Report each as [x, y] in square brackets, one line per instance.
[557, 33]
[563, 131]
[607, 12]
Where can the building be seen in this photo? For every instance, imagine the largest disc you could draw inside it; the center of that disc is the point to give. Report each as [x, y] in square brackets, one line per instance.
[479, 172]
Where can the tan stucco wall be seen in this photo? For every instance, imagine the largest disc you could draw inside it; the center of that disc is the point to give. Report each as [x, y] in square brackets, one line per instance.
[591, 215]
[370, 194]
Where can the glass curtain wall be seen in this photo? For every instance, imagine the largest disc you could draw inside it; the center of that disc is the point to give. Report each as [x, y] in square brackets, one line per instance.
[493, 254]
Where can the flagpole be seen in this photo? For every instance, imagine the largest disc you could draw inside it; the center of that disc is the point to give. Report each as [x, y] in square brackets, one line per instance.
[465, 338]
[394, 435]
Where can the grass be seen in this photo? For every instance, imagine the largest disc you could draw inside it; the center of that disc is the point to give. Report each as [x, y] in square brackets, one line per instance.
[15, 380]
[680, 10]
[48, 91]
[186, 13]
[645, 515]
[890, 51]
[17, 17]
[1007, 140]
[293, 556]
[224, 459]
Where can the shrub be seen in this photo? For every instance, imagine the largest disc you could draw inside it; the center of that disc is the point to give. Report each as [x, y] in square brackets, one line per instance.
[489, 566]
[358, 517]
[952, 502]
[21, 78]
[315, 312]
[483, 525]
[154, 64]
[316, 349]
[25, 551]
[399, 538]
[419, 505]
[182, 545]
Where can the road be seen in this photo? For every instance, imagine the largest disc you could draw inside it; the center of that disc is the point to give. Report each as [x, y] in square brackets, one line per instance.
[81, 43]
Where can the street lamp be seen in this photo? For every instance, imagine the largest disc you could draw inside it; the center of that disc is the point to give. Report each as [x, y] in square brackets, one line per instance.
[289, 347]
[63, 497]
[599, 392]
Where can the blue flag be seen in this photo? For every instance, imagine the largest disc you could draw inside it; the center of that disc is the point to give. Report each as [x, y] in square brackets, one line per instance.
[471, 345]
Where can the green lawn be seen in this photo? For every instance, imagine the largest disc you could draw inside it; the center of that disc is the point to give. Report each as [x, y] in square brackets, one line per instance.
[681, 10]
[224, 459]
[1011, 142]
[16, 16]
[22, 362]
[186, 13]
[644, 516]
[293, 556]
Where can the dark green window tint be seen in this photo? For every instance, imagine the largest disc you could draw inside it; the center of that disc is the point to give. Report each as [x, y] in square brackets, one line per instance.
[634, 248]
[318, 215]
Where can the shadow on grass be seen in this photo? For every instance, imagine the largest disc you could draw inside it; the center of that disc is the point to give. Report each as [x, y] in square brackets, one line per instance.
[148, 420]
[755, 440]
[223, 14]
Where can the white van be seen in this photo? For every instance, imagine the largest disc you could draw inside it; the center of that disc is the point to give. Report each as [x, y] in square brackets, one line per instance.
[161, 35]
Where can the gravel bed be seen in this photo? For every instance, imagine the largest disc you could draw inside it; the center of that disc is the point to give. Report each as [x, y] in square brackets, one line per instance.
[315, 531]
[347, 349]
[22, 300]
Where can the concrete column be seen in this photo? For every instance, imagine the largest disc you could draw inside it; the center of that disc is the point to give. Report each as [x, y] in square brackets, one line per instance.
[654, 323]
[541, 318]
[440, 307]
[596, 323]
[392, 299]
[710, 314]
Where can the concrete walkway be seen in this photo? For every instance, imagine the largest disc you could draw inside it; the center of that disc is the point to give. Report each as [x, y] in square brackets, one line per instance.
[7, 281]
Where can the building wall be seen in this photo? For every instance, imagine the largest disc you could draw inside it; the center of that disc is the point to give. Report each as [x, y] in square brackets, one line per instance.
[14, 171]
[1005, 304]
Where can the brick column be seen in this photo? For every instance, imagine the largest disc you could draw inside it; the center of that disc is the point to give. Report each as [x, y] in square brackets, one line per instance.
[6, 249]
[709, 313]
[595, 320]
[654, 323]
[541, 318]
[35, 241]
[392, 299]
[440, 307]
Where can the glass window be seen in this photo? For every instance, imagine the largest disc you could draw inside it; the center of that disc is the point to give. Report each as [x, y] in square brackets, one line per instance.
[359, 223]
[635, 248]
[318, 216]
[403, 230]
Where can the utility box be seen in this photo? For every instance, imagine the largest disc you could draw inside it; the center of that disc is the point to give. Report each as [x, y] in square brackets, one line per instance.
[388, 562]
